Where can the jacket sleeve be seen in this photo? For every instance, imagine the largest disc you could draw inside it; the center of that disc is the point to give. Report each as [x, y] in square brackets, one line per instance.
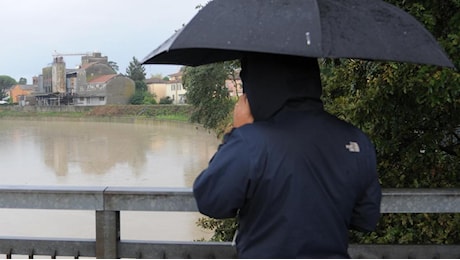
[220, 189]
[366, 212]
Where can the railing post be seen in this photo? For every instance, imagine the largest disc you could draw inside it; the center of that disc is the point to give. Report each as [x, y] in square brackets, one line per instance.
[107, 234]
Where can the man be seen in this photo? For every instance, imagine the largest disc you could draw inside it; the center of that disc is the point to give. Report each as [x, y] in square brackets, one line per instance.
[296, 177]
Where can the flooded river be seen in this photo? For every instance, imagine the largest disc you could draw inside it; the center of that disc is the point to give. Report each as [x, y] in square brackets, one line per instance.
[81, 153]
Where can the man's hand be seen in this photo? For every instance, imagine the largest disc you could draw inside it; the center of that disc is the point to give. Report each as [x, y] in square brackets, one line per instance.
[242, 113]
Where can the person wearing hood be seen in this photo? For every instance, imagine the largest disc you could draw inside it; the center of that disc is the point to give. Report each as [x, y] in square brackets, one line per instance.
[296, 177]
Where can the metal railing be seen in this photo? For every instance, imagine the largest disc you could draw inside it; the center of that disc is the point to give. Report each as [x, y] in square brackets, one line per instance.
[108, 202]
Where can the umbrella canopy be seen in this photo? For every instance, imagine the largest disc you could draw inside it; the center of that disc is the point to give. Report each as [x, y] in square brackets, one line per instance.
[363, 29]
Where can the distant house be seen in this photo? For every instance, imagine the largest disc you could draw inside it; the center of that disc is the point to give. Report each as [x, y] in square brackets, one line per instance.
[19, 93]
[172, 88]
[175, 90]
[110, 89]
[157, 87]
[85, 73]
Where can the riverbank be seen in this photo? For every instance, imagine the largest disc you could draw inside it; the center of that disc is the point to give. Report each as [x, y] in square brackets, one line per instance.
[101, 113]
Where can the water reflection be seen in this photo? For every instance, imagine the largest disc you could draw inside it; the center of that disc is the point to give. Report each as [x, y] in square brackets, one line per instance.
[92, 148]
[163, 154]
[155, 154]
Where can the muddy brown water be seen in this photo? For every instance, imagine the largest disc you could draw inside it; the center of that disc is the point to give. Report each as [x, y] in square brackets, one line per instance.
[83, 153]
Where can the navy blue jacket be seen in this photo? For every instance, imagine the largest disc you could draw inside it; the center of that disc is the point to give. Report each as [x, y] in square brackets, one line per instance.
[297, 183]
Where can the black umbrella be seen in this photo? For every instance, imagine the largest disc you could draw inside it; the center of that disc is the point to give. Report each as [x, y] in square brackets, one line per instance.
[363, 29]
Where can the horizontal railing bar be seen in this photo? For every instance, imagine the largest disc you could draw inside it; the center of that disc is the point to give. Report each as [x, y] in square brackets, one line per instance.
[52, 197]
[421, 201]
[151, 199]
[181, 199]
[422, 192]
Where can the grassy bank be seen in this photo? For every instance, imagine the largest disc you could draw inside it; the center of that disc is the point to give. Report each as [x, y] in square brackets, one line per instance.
[160, 112]
[29, 114]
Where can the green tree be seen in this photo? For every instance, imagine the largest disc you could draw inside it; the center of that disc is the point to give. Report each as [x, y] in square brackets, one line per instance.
[149, 99]
[22, 81]
[207, 92]
[411, 114]
[5, 83]
[166, 100]
[114, 66]
[137, 98]
[142, 98]
[135, 70]
[140, 85]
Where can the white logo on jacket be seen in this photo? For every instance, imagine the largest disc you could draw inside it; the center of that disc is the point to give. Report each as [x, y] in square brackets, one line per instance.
[353, 147]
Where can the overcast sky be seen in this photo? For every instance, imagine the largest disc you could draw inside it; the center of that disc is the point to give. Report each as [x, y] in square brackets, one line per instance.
[32, 30]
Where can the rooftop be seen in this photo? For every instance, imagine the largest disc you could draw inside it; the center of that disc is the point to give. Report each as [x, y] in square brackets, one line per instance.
[103, 78]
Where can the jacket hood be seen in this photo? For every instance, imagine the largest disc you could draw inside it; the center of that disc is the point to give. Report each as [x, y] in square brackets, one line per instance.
[270, 81]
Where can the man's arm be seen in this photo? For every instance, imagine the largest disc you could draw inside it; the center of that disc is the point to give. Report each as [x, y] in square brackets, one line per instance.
[366, 212]
[220, 190]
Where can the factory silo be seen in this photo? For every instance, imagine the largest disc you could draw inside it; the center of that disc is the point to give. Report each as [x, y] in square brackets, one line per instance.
[58, 75]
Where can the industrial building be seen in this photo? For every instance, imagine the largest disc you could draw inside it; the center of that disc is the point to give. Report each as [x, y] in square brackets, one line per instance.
[94, 82]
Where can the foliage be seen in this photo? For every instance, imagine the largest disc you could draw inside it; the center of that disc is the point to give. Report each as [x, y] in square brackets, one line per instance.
[5, 83]
[141, 95]
[137, 98]
[411, 114]
[22, 81]
[140, 85]
[177, 113]
[114, 66]
[166, 100]
[135, 70]
[224, 229]
[149, 99]
[173, 117]
[147, 111]
[142, 98]
[207, 93]
[413, 229]
[12, 113]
